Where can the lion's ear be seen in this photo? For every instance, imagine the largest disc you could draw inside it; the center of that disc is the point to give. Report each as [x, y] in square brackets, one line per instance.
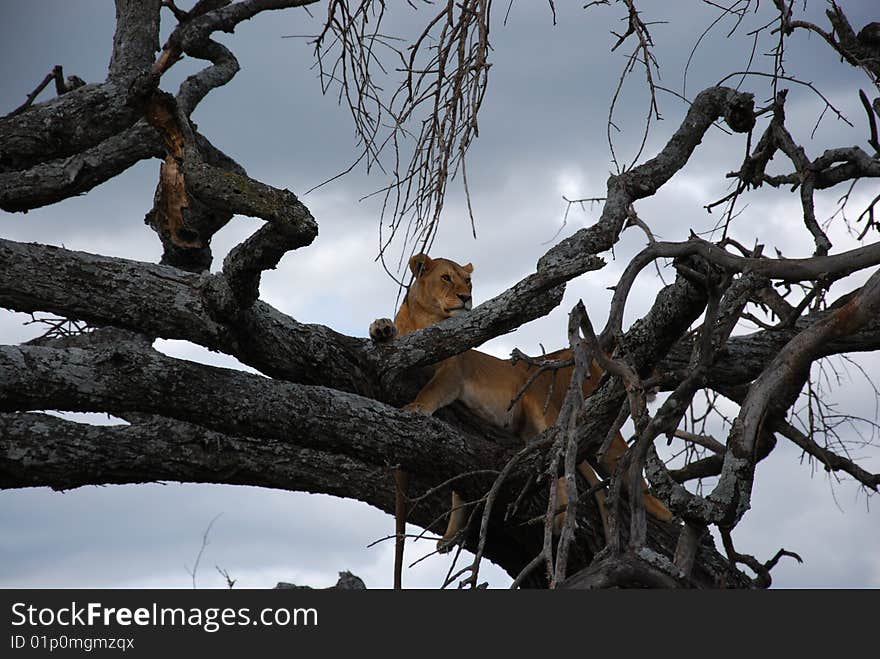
[468, 268]
[419, 264]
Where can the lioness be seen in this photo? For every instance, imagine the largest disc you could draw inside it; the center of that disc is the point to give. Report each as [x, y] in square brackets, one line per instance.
[485, 384]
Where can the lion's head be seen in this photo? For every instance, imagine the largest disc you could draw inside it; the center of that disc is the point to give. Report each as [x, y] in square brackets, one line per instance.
[441, 288]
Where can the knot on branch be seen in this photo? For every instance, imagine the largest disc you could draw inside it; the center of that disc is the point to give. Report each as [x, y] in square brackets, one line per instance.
[740, 113]
[263, 250]
[699, 270]
[142, 90]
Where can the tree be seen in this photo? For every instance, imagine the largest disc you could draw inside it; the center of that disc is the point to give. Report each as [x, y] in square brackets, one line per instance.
[327, 417]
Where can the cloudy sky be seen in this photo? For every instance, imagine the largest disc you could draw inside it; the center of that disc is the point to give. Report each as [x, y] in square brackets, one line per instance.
[542, 137]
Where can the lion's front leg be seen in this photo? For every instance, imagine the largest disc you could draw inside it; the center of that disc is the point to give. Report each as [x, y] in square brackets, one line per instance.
[442, 389]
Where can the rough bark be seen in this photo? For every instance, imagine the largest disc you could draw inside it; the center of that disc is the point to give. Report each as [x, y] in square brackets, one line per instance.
[260, 432]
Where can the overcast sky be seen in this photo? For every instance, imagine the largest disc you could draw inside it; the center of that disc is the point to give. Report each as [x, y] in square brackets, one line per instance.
[542, 136]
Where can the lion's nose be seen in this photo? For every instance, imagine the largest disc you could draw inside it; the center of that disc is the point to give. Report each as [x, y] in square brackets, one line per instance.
[464, 297]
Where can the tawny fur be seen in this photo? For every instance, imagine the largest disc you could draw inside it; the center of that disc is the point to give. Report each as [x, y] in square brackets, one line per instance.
[486, 384]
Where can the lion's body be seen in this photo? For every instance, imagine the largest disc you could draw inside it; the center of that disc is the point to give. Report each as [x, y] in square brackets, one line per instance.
[486, 384]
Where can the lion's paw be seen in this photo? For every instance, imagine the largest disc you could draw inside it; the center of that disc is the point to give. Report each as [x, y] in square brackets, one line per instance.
[417, 407]
[382, 330]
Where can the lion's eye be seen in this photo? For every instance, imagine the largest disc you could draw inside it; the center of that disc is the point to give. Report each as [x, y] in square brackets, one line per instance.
[446, 278]
[468, 281]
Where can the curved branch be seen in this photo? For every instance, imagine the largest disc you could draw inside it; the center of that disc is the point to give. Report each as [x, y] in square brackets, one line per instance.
[775, 391]
[644, 180]
[831, 267]
[50, 153]
[290, 226]
[223, 68]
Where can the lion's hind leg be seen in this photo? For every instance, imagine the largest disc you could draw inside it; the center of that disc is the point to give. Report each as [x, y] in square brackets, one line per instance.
[653, 505]
[457, 521]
